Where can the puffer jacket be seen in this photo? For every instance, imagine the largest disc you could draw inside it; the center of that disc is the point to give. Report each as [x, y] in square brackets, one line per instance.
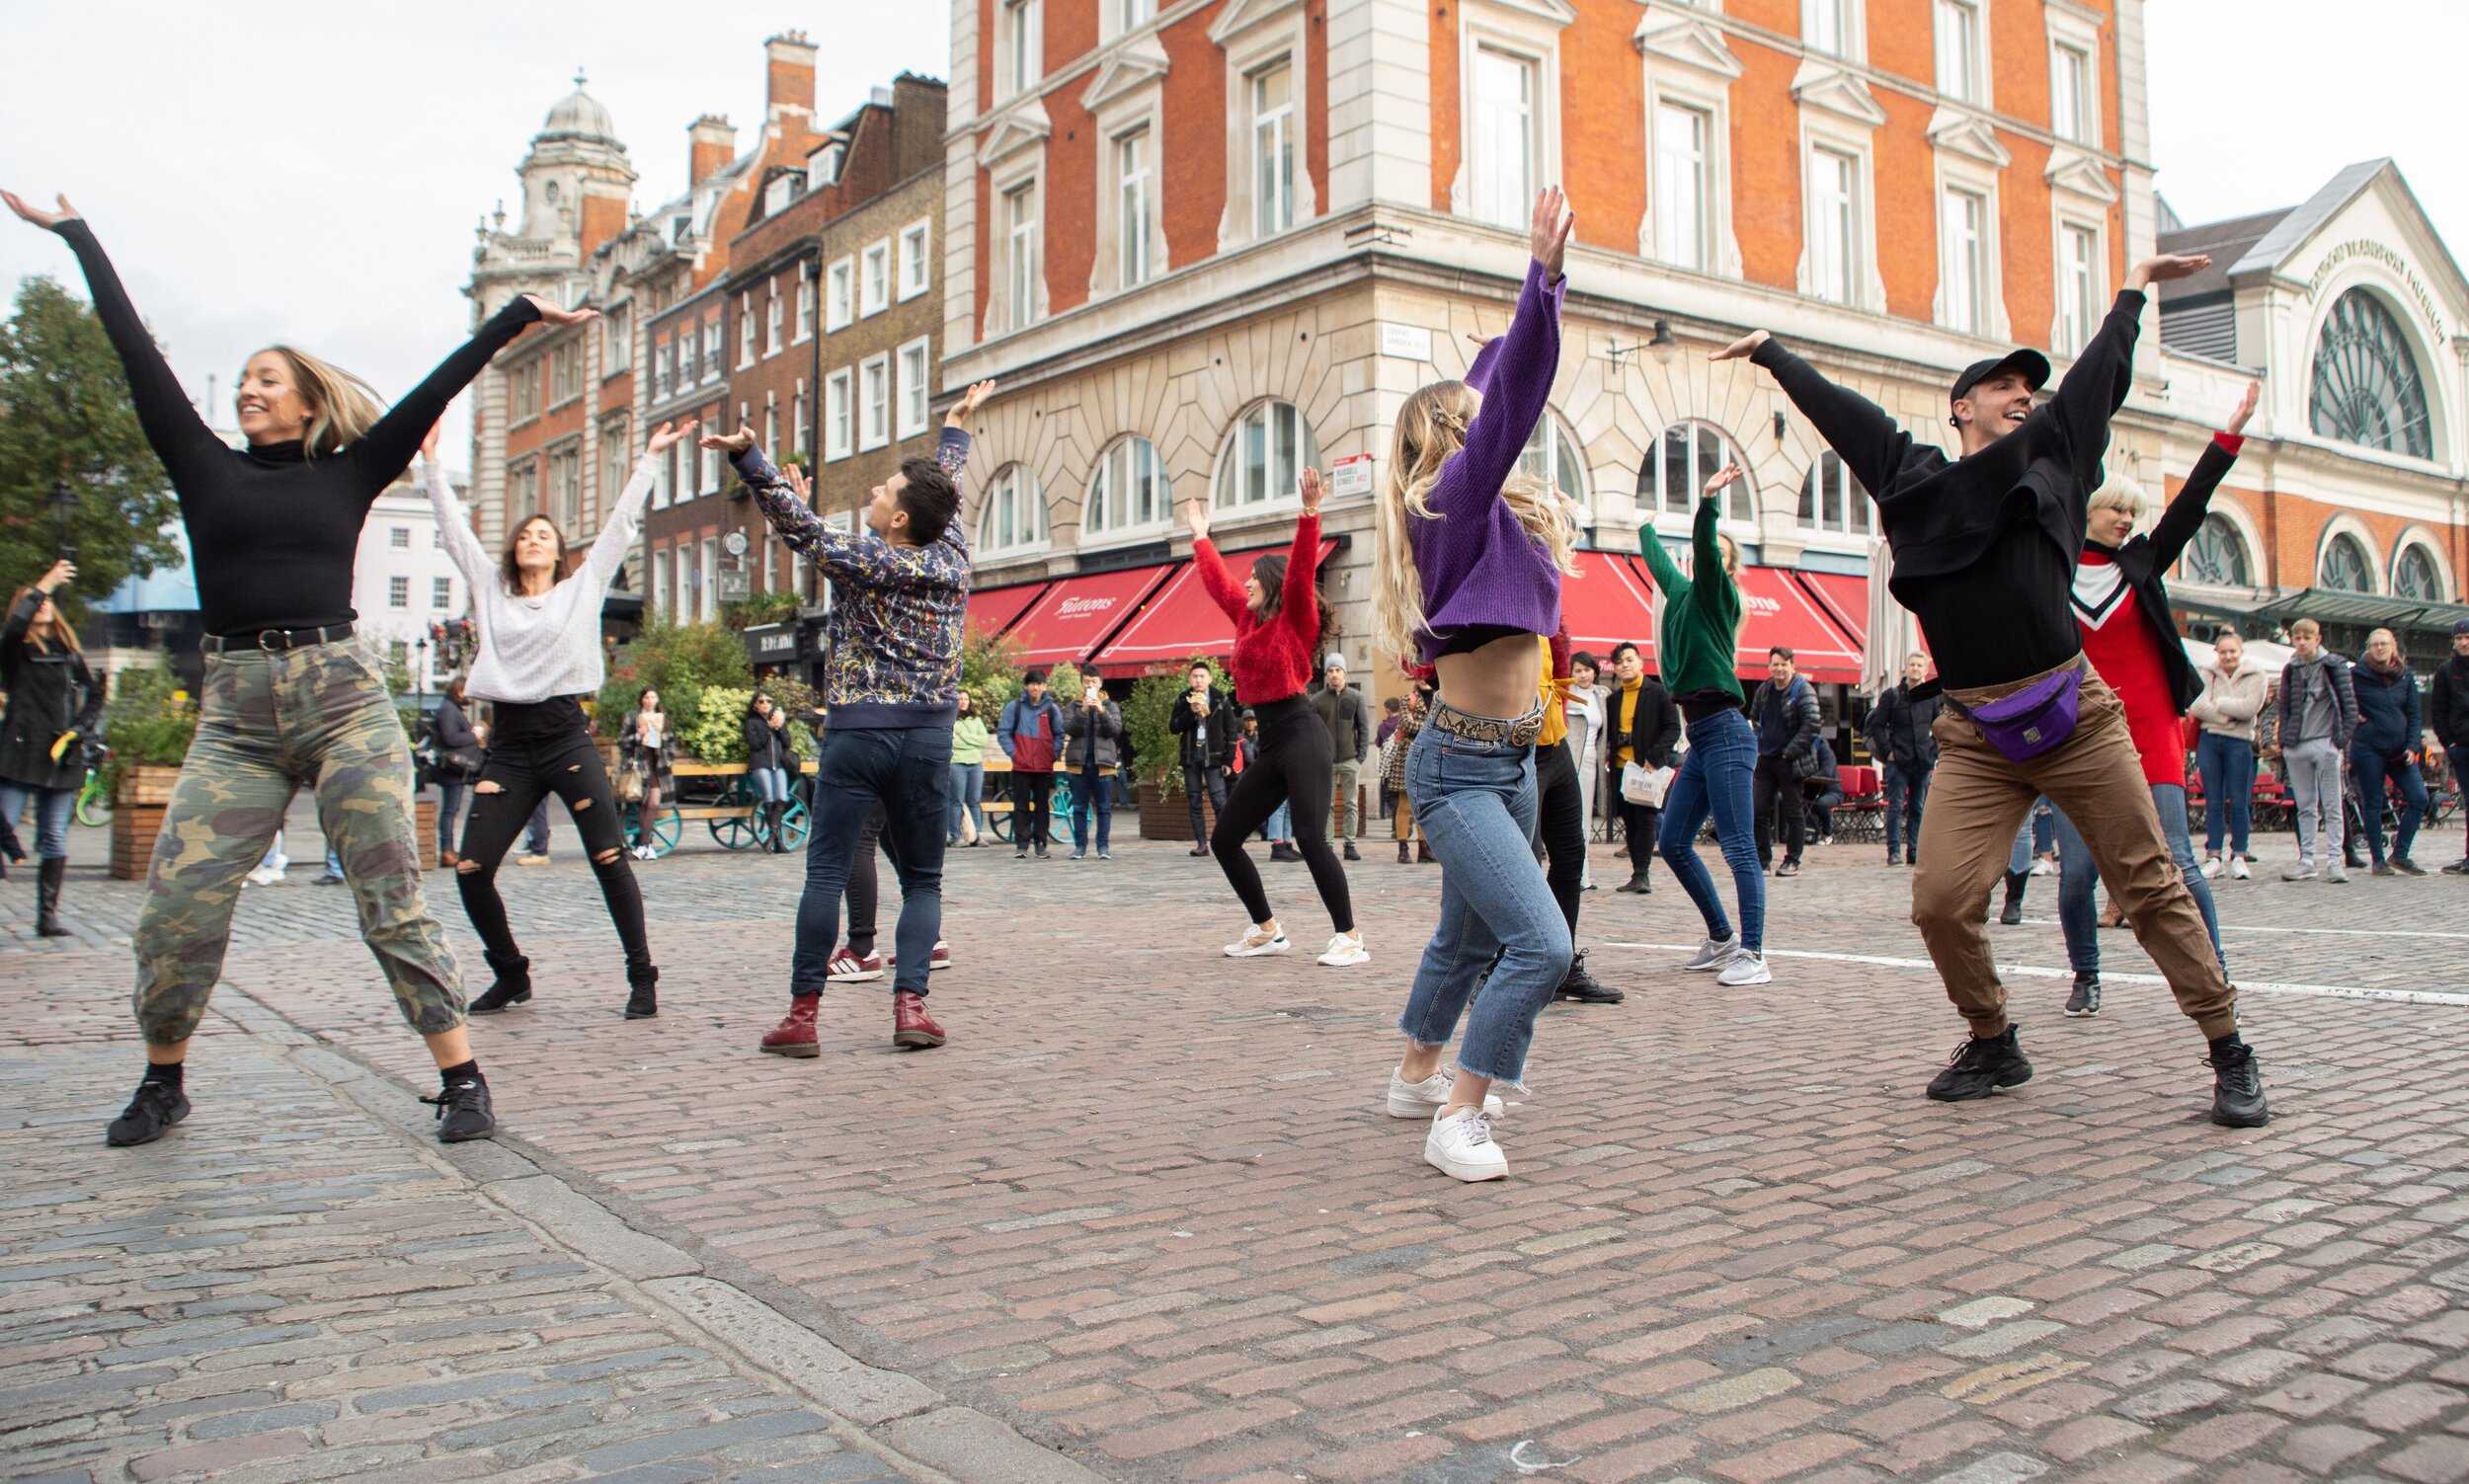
[1091, 734]
[2388, 711]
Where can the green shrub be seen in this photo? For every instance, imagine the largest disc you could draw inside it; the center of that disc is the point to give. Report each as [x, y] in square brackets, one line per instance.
[682, 660]
[148, 719]
[990, 671]
[760, 608]
[1147, 719]
[717, 733]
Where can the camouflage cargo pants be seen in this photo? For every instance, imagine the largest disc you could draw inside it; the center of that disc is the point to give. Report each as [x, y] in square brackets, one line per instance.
[269, 724]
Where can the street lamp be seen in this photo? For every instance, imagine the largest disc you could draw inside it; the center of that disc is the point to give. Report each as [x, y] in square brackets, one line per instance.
[63, 507]
[419, 672]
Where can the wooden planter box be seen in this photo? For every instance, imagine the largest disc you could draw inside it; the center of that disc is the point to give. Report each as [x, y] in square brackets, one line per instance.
[425, 820]
[137, 816]
[1167, 817]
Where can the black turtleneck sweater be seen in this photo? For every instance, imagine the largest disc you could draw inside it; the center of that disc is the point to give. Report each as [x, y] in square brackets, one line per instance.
[272, 533]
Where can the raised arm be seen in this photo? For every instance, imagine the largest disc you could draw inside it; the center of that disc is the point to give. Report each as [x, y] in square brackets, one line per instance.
[382, 452]
[2097, 384]
[2184, 516]
[1709, 580]
[463, 544]
[1299, 605]
[179, 436]
[617, 536]
[1215, 579]
[1870, 443]
[1519, 372]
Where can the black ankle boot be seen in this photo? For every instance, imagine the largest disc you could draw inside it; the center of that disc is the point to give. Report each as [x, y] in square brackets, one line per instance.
[48, 879]
[642, 1003]
[513, 986]
[780, 829]
[2238, 1085]
[2014, 909]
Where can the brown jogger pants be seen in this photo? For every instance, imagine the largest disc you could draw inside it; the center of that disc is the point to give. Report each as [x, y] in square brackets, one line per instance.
[1979, 798]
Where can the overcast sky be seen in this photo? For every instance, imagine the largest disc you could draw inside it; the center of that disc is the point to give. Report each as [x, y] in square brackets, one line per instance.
[315, 174]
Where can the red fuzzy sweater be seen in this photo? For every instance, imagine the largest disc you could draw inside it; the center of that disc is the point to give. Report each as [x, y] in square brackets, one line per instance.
[1272, 657]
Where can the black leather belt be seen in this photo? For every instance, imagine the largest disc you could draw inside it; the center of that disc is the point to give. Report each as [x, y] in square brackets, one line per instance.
[276, 640]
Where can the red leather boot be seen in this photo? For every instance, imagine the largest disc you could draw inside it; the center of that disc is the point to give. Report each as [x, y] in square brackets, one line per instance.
[911, 1026]
[794, 1035]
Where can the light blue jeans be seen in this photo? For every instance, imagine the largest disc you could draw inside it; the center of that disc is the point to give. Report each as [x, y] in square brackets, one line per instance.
[53, 808]
[771, 785]
[968, 793]
[2075, 875]
[1474, 802]
[1714, 778]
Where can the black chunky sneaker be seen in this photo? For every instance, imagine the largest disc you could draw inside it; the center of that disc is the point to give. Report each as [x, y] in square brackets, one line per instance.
[2085, 1000]
[1580, 986]
[1980, 1067]
[463, 1111]
[2012, 911]
[156, 1107]
[513, 986]
[641, 1002]
[2237, 1085]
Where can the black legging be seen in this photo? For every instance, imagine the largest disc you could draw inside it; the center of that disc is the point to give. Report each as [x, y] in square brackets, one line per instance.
[538, 749]
[1561, 825]
[1296, 767]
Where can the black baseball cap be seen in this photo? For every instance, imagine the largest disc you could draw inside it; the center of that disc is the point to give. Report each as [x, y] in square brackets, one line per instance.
[2032, 366]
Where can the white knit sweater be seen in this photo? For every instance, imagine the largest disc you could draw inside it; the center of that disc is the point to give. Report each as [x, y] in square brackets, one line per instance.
[535, 648]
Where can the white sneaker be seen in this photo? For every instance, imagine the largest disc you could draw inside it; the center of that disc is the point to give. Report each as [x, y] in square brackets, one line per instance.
[2041, 867]
[2211, 868]
[1345, 949]
[1745, 968]
[2238, 870]
[1713, 954]
[1427, 1097]
[1461, 1146]
[1257, 943]
[265, 876]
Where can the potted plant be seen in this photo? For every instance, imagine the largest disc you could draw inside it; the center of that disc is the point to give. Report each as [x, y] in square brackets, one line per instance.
[1157, 753]
[149, 726]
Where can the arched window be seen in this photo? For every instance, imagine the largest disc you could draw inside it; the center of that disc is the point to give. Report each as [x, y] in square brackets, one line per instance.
[2217, 555]
[1686, 457]
[2345, 568]
[2414, 576]
[1831, 500]
[2366, 388]
[1014, 515]
[1267, 447]
[1551, 456]
[1130, 490]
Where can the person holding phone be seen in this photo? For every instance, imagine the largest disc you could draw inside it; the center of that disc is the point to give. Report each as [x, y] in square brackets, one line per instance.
[1092, 745]
[1204, 736]
[53, 706]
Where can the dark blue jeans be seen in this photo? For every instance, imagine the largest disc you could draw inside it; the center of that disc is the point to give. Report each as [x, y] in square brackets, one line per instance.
[1090, 788]
[1714, 779]
[2080, 920]
[1907, 795]
[908, 769]
[53, 809]
[2227, 767]
[2370, 768]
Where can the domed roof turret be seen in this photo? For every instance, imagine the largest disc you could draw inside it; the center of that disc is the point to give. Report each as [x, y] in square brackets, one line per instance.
[580, 116]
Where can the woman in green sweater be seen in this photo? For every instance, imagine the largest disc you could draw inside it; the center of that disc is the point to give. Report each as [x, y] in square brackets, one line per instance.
[1695, 638]
[969, 738]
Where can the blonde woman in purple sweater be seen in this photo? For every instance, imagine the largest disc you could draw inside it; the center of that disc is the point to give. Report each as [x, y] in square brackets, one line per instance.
[1469, 568]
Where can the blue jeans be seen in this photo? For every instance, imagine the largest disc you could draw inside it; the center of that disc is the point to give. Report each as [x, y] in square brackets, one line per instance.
[908, 771]
[1907, 795]
[1474, 802]
[1281, 826]
[536, 832]
[2075, 875]
[771, 785]
[53, 808]
[2370, 768]
[2227, 767]
[451, 797]
[2460, 782]
[1089, 787]
[968, 796]
[1713, 778]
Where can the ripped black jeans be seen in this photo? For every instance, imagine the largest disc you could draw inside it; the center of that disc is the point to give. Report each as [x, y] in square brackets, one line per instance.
[534, 750]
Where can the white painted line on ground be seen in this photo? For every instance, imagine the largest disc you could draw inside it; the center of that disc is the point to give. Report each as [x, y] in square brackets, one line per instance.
[2034, 972]
[2321, 932]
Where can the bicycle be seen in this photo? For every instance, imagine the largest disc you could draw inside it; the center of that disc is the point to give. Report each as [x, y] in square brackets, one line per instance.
[666, 830]
[94, 802]
[744, 832]
[1058, 806]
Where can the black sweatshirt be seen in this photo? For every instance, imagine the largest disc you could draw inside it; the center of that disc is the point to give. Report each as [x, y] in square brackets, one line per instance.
[273, 533]
[1985, 547]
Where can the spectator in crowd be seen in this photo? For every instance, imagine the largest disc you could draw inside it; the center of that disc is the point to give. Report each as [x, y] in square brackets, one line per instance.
[2386, 746]
[1644, 727]
[1823, 787]
[1031, 732]
[969, 739]
[1205, 731]
[2235, 689]
[1350, 732]
[1585, 710]
[1899, 737]
[1391, 712]
[457, 745]
[2447, 705]
[1092, 743]
[1784, 709]
[2318, 715]
[770, 754]
[646, 744]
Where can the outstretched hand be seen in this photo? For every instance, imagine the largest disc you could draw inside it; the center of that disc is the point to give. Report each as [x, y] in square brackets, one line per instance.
[553, 313]
[62, 572]
[429, 441]
[1308, 484]
[967, 405]
[2164, 267]
[728, 442]
[1723, 477]
[1549, 238]
[1745, 345]
[795, 478]
[2246, 407]
[50, 221]
[1197, 515]
[669, 433]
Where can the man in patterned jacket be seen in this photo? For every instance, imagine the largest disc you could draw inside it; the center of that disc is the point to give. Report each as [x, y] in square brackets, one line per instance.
[899, 589]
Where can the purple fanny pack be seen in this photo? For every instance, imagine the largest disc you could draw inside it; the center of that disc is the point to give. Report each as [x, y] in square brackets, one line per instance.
[2034, 720]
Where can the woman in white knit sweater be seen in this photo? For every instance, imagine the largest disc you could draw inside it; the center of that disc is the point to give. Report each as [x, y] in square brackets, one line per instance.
[540, 655]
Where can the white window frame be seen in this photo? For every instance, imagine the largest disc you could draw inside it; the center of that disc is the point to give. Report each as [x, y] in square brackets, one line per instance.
[805, 322]
[1678, 243]
[1120, 18]
[1109, 484]
[1518, 33]
[1837, 230]
[1016, 484]
[617, 339]
[708, 593]
[874, 277]
[1020, 282]
[1135, 205]
[1851, 41]
[663, 371]
[776, 319]
[1966, 250]
[772, 424]
[714, 331]
[1854, 517]
[1708, 91]
[399, 592]
[921, 233]
[399, 538]
[1277, 494]
[2078, 317]
[440, 594]
[1019, 47]
[707, 473]
[1254, 37]
[664, 478]
[874, 403]
[1676, 515]
[659, 583]
[913, 368]
[798, 411]
[839, 294]
[746, 329]
[2081, 92]
[1269, 164]
[839, 415]
[1503, 136]
[1962, 74]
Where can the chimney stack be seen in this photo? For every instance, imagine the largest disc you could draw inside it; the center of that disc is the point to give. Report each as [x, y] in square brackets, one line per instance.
[788, 76]
[713, 144]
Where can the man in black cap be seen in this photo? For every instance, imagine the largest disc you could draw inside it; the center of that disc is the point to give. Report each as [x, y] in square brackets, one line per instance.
[1985, 549]
[2447, 712]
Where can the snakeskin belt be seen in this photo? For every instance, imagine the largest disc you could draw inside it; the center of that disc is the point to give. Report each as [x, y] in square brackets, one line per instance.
[1519, 732]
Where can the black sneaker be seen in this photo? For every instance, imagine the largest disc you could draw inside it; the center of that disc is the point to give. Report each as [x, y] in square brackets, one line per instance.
[2237, 1086]
[642, 1000]
[464, 1112]
[1980, 1067]
[1788, 868]
[2085, 1000]
[2406, 867]
[1580, 986]
[1352, 854]
[512, 988]
[156, 1107]
[2459, 867]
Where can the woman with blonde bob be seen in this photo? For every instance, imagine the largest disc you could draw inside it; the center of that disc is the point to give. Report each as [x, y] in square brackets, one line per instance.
[290, 698]
[1468, 568]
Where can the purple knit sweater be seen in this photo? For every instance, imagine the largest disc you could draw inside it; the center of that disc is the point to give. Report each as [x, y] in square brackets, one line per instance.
[1478, 564]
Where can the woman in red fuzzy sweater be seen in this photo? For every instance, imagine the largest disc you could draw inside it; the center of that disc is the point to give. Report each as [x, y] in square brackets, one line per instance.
[1280, 621]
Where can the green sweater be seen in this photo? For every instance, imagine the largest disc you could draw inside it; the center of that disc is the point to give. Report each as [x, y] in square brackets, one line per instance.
[969, 739]
[1700, 619]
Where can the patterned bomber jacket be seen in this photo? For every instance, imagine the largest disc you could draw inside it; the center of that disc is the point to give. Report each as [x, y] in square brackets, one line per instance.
[896, 610]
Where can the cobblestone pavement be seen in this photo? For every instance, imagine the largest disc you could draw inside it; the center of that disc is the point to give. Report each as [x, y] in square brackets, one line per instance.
[1145, 1208]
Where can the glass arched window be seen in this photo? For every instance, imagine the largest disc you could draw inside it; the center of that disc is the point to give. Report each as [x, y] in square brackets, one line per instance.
[2367, 387]
[2217, 555]
[2345, 568]
[1267, 447]
[1014, 513]
[1551, 456]
[1130, 490]
[2414, 576]
[1831, 500]
[1685, 458]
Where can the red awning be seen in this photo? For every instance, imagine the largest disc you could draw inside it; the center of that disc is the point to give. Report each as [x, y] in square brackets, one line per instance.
[998, 608]
[1181, 621]
[1605, 602]
[1781, 611]
[1076, 614]
[1844, 596]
